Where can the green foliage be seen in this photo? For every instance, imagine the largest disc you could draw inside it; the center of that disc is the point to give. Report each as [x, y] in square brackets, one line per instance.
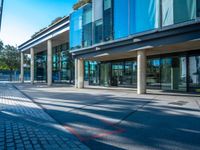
[9, 57]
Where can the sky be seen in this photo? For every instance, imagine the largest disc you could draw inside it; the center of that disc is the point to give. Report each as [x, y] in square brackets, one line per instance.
[22, 18]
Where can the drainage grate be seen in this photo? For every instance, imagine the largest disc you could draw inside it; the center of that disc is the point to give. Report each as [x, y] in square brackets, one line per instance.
[179, 103]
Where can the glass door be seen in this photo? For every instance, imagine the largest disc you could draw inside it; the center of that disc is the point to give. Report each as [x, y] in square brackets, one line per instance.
[117, 74]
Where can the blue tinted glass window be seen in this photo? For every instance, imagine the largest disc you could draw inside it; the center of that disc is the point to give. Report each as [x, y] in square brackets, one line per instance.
[177, 11]
[107, 20]
[121, 13]
[87, 25]
[143, 15]
[76, 29]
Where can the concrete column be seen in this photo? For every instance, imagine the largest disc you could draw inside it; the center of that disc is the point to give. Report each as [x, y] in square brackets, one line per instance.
[141, 72]
[32, 66]
[76, 73]
[49, 62]
[80, 73]
[22, 68]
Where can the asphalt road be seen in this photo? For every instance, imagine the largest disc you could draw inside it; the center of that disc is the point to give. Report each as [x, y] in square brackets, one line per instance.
[120, 119]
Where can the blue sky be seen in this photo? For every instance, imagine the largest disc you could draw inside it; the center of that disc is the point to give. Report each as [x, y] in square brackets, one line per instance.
[22, 18]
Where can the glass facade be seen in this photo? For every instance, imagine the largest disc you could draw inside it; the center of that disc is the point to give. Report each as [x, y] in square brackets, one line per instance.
[40, 69]
[87, 25]
[63, 65]
[153, 73]
[76, 29]
[177, 11]
[107, 20]
[143, 15]
[121, 18]
[194, 73]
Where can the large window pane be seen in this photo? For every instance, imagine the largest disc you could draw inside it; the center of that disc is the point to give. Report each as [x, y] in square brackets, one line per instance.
[194, 73]
[153, 72]
[76, 29]
[184, 10]
[87, 25]
[98, 9]
[121, 13]
[143, 15]
[198, 8]
[177, 11]
[98, 31]
[107, 20]
[167, 12]
[173, 73]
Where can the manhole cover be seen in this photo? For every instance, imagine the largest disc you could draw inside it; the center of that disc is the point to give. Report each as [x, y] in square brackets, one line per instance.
[179, 103]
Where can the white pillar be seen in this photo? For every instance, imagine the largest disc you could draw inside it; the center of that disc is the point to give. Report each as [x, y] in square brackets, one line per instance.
[22, 68]
[141, 72]
[32, 66]
[80, 73]
[76, 73]
[49, 62]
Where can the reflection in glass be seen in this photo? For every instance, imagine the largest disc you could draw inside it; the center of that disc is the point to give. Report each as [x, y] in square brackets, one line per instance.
[194, 73]
[121, 13]
[76, 29]
[143, 15]
[93, 73]
[41, 66]
[173, 73]
[105, 74]
[153, 72]
[87, 25]
[107, 20]
[177, 11]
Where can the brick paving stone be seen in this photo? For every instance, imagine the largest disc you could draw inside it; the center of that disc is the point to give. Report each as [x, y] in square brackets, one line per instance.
[25, 126]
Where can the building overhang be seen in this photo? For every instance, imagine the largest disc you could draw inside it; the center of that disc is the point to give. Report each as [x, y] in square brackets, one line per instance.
[173, 35]
[57, 32]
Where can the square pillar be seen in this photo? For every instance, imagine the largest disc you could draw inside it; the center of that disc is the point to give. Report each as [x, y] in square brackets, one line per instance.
[141, 72]
[32, 66]
[49, 62]
[22, 68]
[80, 73]
[76, 73]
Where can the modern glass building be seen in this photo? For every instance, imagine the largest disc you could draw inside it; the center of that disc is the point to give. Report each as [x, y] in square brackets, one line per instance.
[1, 11]
[115, 38]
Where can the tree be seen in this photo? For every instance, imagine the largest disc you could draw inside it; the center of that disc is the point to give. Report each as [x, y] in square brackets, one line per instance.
[10, 59]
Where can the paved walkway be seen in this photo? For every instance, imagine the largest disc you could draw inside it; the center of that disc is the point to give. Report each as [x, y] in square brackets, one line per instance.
[24, 125]
[120, 119]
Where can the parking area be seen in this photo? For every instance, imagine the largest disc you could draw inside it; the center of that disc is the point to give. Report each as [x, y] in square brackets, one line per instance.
[121, 119]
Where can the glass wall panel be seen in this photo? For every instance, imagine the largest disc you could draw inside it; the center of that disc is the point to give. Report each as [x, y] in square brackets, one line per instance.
[76, 29]
[198, 8]
[121, 21]
[107, 20]
[177, 11]
[194, 73]
[153, 72]
[167, 12]
[87, 25]
[41, 67]
[173, 73]
[63, 64]
[130, 73]
[98, 9]
[93, 73]
[98, 21]
[143, 15]
[117, 74]
[105, 72]
[98, 31]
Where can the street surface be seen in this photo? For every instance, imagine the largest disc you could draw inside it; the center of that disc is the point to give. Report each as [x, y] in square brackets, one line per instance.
[24, 125]
[117, 119]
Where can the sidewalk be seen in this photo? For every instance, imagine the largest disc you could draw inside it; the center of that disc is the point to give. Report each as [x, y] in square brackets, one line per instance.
[24, 125]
